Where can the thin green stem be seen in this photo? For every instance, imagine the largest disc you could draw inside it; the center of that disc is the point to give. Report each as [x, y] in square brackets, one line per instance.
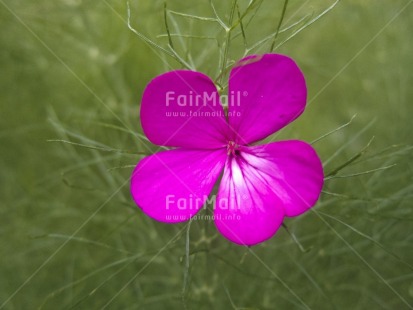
[170, 53]
[253, 4]
[309, 23]
[219, 20]
[143, 37]
[359, 173]
[104, 149]
[165, 17]
[264, 40]
[244, 37]
[294, 238]
[227, 41]
[334, 130]
[279, 25]
[349, 161]
[206, 19]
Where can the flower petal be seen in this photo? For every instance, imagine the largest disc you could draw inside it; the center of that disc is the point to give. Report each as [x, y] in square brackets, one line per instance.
[182, 109]
[267, 92]
[247, 211]
[294, 170]
[263, 183]
[172, 186]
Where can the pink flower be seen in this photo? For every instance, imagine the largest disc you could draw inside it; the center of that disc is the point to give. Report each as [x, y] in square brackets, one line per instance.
[261, 184]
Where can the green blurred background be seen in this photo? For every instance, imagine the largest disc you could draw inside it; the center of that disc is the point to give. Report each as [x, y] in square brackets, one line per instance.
[70, 236]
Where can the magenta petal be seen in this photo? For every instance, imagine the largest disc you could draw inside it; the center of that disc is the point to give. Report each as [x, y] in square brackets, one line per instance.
[172, 186]
[267, 92]
[182, 109]
[247, 211]
[294, 170]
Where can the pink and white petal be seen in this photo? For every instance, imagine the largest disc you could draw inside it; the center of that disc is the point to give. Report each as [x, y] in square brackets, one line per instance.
[267, 92]
[294, 171]
[172, 186]
[247, 211]
[182, 109]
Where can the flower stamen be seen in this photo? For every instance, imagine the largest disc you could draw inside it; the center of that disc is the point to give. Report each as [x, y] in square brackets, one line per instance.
[232, 148]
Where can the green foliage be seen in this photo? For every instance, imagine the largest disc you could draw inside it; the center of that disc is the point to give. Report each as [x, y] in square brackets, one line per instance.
[72, 73]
